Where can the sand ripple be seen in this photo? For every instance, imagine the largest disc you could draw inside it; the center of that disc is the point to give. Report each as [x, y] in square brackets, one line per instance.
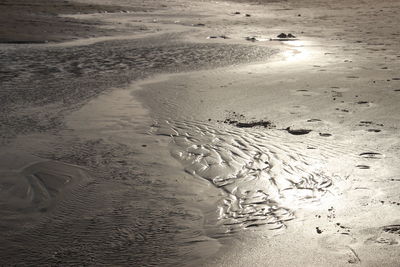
[262, 175]
[30, 185]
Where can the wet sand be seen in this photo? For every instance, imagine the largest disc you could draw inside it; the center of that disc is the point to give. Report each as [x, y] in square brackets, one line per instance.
[193, 139]
[42, 21]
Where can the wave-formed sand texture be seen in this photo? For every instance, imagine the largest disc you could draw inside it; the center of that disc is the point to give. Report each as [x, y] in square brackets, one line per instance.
[34, 188]
[58, 214]
[72, 75]
[135, 58]
[262, 176]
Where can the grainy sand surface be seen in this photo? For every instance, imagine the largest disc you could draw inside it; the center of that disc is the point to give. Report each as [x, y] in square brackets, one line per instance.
[179, 133]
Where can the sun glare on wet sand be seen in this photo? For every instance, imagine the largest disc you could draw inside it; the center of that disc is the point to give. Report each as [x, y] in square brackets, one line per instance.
[299, 51]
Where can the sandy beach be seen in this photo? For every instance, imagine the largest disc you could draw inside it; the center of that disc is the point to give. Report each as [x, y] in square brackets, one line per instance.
[187, 133]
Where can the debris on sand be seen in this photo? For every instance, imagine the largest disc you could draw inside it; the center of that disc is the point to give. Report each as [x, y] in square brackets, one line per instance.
[239, 120]
[251, 39]
[265, 124]
[251, 124]
[220, 36]
[374, 130]
[325, 134]
[313, 120]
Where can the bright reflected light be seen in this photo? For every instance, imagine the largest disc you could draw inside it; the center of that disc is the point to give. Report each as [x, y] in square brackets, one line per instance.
[298, 51]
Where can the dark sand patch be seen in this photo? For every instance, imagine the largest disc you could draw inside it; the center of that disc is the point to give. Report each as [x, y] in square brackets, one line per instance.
[24, 21]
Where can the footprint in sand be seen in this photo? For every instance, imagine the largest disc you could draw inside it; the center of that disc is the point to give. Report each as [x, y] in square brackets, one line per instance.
[393, 229]
[371, 155]
[340, 243]
[387, 235]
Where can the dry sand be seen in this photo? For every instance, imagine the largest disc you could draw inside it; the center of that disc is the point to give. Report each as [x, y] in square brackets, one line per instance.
[156, 145]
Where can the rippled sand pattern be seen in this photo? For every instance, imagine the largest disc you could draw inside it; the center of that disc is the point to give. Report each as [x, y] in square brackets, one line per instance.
[133, 58]
[263, 176]
[72, 75]
[57, 214]
[35, 188]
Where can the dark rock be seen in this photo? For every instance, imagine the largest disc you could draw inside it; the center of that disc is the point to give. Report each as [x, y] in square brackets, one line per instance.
[282, 35]
[298, 131]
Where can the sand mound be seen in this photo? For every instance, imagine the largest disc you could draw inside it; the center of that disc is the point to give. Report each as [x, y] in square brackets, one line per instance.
[31, 185]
